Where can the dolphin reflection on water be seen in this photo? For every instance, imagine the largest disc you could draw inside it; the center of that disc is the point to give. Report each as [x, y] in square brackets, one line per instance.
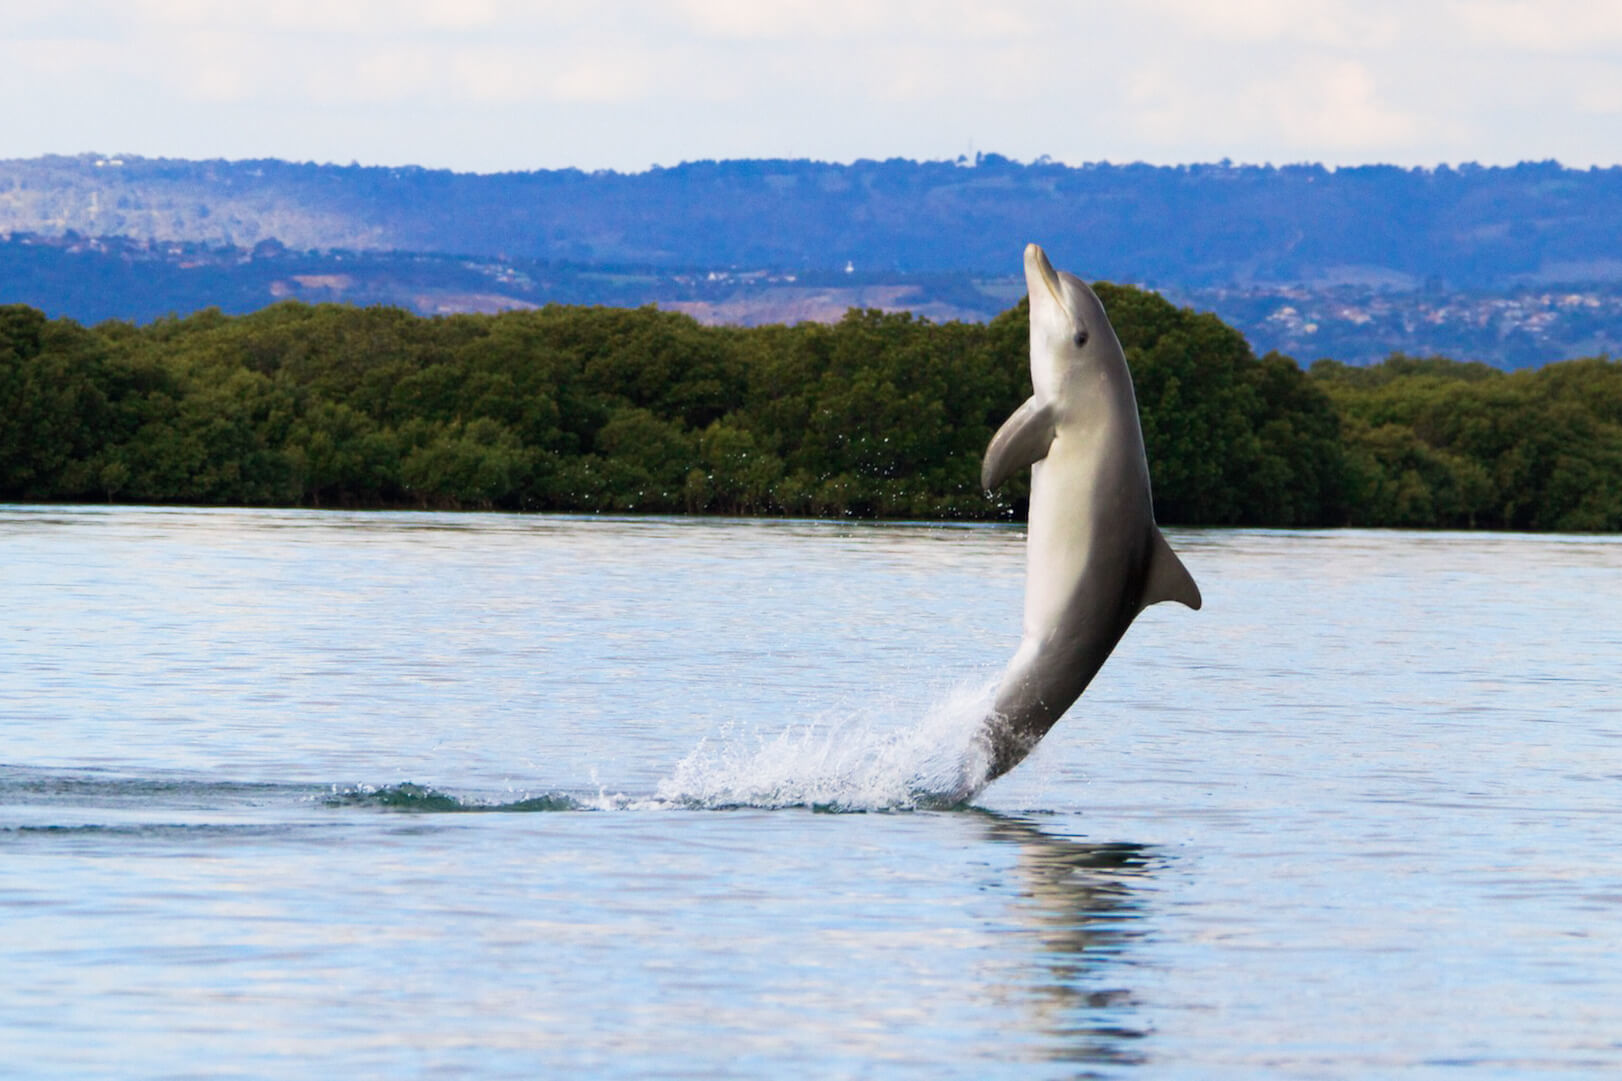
[1094, 556]
[1083, 904]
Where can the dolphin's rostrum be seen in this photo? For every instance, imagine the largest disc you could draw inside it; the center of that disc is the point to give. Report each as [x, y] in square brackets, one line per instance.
[1094, 556]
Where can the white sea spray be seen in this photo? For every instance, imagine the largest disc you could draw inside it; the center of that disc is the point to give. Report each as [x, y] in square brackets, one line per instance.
[858, 762]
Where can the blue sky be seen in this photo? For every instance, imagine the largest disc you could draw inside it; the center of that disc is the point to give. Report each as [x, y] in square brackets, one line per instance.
[490, 85]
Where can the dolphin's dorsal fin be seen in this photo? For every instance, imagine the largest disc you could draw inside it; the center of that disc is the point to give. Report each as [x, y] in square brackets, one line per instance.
[1024, 438]
[1168, 579]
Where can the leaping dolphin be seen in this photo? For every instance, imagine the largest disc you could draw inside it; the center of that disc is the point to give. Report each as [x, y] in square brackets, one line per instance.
[1094, 556]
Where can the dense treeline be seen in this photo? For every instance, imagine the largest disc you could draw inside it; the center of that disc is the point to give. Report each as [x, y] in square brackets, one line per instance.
[1437, 442]
[601, 409]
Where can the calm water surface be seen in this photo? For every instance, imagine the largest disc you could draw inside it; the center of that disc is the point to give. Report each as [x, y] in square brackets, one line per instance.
[305, 794]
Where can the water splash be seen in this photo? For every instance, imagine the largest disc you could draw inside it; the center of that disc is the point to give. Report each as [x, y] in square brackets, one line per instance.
[858, 762]
[854, 764]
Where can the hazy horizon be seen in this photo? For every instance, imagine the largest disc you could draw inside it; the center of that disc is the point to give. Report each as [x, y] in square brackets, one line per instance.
[965, 162]
[492, 86]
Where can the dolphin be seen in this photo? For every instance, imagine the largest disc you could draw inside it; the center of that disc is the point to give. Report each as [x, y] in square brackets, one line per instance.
[1094, 557]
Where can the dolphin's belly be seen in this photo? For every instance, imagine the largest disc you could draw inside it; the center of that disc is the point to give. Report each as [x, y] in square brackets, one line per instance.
[1079, 561]
[1083, 579]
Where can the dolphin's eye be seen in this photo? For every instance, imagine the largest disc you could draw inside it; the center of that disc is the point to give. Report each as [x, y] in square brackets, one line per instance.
[1081, 337]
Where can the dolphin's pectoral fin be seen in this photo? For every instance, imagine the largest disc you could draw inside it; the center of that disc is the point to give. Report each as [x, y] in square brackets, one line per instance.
[1168, 579]
[1023, 439]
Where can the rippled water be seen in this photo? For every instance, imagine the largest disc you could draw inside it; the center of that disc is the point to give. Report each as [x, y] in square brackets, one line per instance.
[304, 794]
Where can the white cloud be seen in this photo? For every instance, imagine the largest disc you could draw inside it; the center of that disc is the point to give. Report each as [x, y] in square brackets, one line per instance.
[1598, 89]
[1336, 104]
[1551, 26]
[387, 74]
[497, 75]
[623, 82]
[456, 14]
[785, 18]
[1319, 105]
[217, 66]
[65, 58]
[906, 20]
[1345, 24]
[600, 76]
[368, 18]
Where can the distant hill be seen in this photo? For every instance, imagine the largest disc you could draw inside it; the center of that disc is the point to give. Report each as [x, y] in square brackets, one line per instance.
[96, 278]
[92, 279]
[1185, 226]
[1516, 266]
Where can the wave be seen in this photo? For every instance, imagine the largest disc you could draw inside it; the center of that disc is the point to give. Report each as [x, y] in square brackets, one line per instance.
[858, 763]
[421, 799]
[23, 784]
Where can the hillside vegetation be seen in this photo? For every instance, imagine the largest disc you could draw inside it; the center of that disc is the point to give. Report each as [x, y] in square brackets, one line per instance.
[879, 415]
[1170, 226]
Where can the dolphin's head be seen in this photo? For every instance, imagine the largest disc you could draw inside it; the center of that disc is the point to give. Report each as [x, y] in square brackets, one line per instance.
[1068, 324]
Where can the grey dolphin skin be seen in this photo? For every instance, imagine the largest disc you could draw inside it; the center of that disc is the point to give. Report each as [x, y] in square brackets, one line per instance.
[1094, 556]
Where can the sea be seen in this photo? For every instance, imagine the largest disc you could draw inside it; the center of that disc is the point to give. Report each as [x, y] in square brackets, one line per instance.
[306, 793]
